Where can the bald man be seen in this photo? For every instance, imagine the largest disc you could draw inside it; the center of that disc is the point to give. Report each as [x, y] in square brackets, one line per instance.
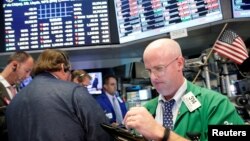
[193, 108]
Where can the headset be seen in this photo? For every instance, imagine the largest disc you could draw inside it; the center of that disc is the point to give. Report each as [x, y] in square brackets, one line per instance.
[66, 59]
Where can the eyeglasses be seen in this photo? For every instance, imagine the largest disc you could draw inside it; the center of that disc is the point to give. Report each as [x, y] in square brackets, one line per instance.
[159, 70]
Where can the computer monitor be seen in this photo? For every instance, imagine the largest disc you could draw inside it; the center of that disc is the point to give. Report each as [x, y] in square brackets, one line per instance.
[145, 94]
[241, 8]
[147, 18]
[96, 83]
[39, 24]
[242, 86]
[132, 96]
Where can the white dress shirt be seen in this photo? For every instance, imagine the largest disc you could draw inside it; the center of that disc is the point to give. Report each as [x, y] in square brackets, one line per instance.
[178, 101]
[110, 97]
[6, 85]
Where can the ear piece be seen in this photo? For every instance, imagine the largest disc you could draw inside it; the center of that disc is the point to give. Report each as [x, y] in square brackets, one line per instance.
[14, 67]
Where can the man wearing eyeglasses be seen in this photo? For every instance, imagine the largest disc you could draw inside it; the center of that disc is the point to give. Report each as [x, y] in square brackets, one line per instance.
[183, 110]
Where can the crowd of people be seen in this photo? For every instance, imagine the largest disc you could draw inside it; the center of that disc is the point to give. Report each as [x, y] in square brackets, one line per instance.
[56, 104]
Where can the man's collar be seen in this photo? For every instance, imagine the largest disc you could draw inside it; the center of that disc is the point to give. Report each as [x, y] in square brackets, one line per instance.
[4, 81]
[54, 75]
[178, 94]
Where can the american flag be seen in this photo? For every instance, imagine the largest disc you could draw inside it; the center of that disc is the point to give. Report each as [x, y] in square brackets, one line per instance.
[231, 46]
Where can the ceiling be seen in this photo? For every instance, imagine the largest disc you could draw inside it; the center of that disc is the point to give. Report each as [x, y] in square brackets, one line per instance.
[198, 39]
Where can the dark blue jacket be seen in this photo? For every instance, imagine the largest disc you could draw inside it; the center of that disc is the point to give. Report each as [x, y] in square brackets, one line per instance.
[49, 109]
[106, 105]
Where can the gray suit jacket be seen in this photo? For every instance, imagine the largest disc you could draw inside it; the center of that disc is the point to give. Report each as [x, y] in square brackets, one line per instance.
[49, 109]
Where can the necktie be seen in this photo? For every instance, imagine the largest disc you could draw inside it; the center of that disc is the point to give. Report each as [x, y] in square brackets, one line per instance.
[117, 111]
[167, 114]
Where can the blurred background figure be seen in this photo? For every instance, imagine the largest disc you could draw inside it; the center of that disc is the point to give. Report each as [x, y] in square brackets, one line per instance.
[18, 68]
[51, 108]
[95, 82]
[110, 101]
[81, 77]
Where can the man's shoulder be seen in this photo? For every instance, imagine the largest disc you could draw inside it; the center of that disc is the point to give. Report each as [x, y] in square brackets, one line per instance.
[2, 86]
[207, 96]
[47, 84]
[151, 105]
[51, 80]
[3, 91]
[196, 90]
[4, 82]
[101, 97]
[153, 101]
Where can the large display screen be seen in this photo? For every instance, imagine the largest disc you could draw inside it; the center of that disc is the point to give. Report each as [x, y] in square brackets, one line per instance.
[96, 83]
[39, 24]
[139, 19]
[241, 8]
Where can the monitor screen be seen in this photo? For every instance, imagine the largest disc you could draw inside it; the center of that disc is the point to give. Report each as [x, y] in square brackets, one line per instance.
[242, 86]
[145, 94]
[39, 24]
[96, 83]
[132, 96]
[241, 8]
[137, 19]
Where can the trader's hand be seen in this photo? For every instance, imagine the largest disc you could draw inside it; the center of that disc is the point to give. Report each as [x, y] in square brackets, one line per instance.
[140, 119]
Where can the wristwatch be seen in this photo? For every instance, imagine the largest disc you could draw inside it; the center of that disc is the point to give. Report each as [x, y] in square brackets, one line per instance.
[166, 134]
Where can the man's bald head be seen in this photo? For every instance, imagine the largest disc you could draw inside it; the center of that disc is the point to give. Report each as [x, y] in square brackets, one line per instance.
[164, 62]
[164, 46]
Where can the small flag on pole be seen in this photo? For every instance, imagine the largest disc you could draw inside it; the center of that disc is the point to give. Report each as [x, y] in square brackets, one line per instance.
[231, 46]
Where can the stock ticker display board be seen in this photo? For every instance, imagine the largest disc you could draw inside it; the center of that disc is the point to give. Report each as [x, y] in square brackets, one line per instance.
[137, 19]
[39, 24]
[241, 8]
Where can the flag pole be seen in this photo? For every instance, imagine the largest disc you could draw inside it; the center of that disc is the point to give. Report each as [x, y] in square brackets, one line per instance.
[210, 52]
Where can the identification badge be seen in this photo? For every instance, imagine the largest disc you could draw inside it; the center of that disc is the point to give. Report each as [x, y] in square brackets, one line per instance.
[191, 101]
[119, 99]
[109, 115]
